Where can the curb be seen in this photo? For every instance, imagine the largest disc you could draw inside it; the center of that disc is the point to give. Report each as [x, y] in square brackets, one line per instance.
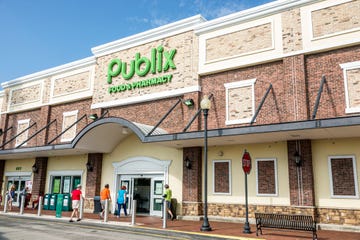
[128, 227]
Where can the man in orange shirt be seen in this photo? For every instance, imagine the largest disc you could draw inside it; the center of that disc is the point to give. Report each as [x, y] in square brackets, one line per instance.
[104, 195]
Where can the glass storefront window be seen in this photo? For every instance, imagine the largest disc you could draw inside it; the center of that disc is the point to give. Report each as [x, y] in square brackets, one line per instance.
[64, 184]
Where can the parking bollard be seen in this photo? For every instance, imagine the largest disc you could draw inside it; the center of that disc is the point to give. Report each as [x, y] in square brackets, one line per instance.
[106, 212]
[81, 212]
[164, 215]
[6, 203]
[40, 206]
[22, 204]
[133, 213]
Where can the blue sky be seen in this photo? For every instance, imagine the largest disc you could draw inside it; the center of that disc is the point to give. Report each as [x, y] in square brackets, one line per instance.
[39, 34]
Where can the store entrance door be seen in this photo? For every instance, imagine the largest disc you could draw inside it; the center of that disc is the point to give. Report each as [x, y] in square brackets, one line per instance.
[20, 183]
[146, 190]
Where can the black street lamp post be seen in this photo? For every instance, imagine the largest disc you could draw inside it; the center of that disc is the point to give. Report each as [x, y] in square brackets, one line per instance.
[205, 105]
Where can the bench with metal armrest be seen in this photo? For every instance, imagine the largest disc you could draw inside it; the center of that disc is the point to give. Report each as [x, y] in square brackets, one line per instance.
[285, 221]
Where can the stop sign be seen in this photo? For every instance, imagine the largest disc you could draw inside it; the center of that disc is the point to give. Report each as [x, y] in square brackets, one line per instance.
[246, 162]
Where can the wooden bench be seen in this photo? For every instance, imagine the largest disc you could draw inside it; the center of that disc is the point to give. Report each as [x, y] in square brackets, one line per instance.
[285, 221]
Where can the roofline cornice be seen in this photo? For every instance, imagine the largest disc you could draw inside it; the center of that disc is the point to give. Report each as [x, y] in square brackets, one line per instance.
[251, 14]
[161, 32]
[50, 72]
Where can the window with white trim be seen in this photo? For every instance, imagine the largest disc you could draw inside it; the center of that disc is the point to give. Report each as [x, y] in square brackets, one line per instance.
[266, 177]
[240, 101]
[68, 119]
[222, 177]
[343, 177]
[64, 182]
[351, 73]
[22, 125]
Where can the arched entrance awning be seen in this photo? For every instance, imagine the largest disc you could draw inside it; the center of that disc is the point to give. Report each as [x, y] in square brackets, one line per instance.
[105, 134]
[100, 136]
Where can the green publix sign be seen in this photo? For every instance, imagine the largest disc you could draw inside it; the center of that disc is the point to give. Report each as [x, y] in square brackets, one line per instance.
[160, 61]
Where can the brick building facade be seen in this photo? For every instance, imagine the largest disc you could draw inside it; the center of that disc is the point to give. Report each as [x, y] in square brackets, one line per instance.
[283, 83]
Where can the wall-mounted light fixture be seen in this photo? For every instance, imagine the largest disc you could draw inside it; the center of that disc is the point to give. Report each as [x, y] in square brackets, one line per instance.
[4, 131]
[297, 158]
[35, 168]
[187, 163]
[189, 102]
[89, 167]
[125, 130]
[93, 117]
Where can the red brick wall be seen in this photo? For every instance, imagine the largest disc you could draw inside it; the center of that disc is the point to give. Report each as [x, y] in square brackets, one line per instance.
[150, 113]
[221, 181]
[332, 103]
[56, 112]
[266, 177]
[275, 105]
[33, 115]
[343, 176]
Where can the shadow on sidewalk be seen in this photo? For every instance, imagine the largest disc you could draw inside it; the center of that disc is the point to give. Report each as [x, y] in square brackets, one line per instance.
[224, 229]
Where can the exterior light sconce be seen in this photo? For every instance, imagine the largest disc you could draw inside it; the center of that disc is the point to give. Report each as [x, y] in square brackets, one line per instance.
[35, 168]
[187, 163]
[4, 131]
[189, 102]
[297, 158]
[93, 117]
[89, 167]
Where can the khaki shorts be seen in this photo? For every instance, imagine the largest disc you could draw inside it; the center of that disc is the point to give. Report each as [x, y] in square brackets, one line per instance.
[75, 204]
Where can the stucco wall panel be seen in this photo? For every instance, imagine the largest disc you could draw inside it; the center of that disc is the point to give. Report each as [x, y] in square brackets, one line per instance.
[338, 18]
[129, 148]
[353, 77]
[71, 83]
[291, 31]
[239, 42]
[25, 96]
[322, 149]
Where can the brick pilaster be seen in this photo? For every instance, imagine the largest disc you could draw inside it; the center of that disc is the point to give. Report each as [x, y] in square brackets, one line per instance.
[301, 178]
[39, 179]
[192, 181]
[93, 178]
[43, 121]
[295, 92]
[2, 172]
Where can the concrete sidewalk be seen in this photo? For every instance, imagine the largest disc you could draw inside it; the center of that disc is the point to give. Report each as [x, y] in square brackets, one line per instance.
[220, 230]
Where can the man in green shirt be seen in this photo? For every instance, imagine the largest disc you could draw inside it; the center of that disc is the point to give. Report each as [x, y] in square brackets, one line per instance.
[167, 196]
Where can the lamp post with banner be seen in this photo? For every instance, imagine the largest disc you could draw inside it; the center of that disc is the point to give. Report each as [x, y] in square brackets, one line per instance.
[246, 165]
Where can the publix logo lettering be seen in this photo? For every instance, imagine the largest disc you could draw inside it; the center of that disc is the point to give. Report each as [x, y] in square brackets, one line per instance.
[160, 61]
